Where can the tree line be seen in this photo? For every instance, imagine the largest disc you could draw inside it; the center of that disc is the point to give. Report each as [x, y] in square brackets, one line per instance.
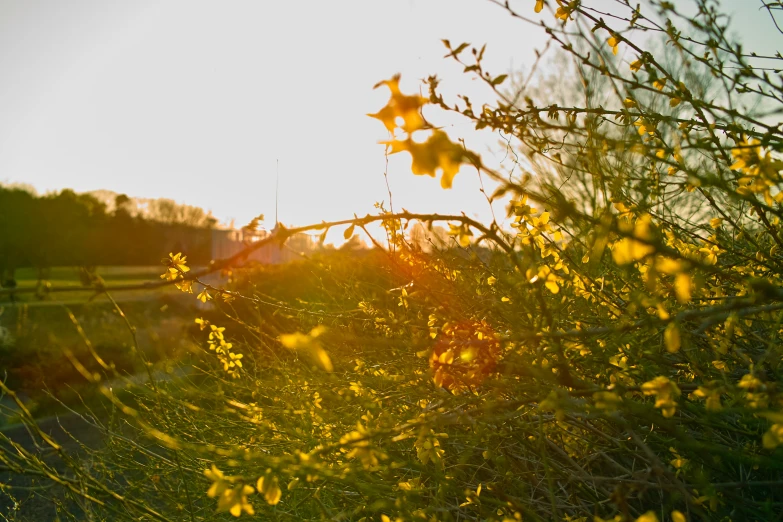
[70, 229]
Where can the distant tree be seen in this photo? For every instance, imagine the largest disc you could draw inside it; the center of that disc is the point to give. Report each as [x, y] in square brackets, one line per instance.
[99, 228]
[122, 205]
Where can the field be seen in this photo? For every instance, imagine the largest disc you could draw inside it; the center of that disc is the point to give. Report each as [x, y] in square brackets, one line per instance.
[68, 279]
[40, 329]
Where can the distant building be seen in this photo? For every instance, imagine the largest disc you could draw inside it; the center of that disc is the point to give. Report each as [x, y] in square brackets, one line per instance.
[227, 243]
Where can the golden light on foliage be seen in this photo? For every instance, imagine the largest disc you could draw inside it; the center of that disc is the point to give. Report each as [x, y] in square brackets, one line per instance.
[437, 153]
[177, 266]
[269, 486]
[402, 111]
[231, 498]
[666, 393]
[464, 355]
[310, 346]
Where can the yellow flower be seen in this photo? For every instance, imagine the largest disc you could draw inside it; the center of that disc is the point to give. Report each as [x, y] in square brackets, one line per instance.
[178, 261]
[628, 250]
[204, 296]
[564, 11]
[614, 43]
[310, 345]
[217, 332]
[234, 360]
[170, 274]
[437, 154]
[202, 323]
[401, 107]
[636, 65]
[678, 462]
[462, 232]
[773, 437]
[270, 488]
[231, 499]
[665, 392]
[539, 5]
[186, 285]
[712, 395]
[220, 481]
[750, 382]
[709, 254]
[176, 266]
[357, 445]
[645, 126]
[545, 274]
[428, 448]
[235, 500]
[671, 337]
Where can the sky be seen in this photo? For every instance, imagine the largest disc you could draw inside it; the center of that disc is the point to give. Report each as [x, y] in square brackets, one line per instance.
[200, 101]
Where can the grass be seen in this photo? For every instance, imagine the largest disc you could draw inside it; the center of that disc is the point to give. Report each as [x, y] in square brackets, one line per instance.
[70, 277]
[41, 331]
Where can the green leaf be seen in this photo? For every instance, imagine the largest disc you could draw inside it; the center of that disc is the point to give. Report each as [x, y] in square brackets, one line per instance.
[459, 49]
[481, 53]
[499, 79]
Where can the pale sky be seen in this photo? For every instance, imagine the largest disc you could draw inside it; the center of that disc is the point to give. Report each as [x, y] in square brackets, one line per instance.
[196, 100]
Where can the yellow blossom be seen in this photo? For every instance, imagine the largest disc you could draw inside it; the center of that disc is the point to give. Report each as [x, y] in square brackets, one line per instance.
[665, 392]
[614, 43]
[712, 395]
[231, 499]
[671, 337]
[773, 437]
[270, 488]
[650, 516]
[179, 262]
[186, 285]
[204, 296]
